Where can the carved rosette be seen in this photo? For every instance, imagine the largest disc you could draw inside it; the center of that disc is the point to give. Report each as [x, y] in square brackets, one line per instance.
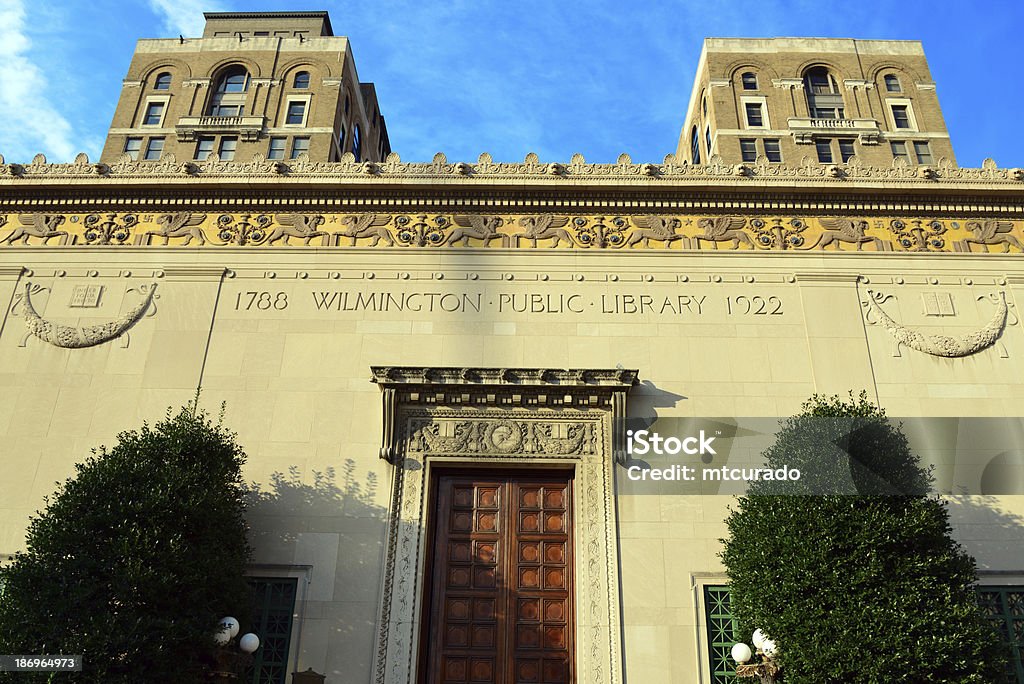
[108, 229]
[243, 230]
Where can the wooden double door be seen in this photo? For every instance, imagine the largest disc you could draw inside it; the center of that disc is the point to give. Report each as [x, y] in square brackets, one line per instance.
[499, 604]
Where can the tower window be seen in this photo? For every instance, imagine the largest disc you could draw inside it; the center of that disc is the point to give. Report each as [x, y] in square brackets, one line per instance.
[301, 80]
[204, 148]
[772, 151]
[154, 114]
[163, 81]
[899, 150]
[846, 149]
[748, 149]
[154, 149]
[299, 145]
[235, 81]
[276, 149]
[227, 148]
[346, 103]
[892, 84]
[900, 117]
[707, 139]
[923, 152]
[296, 113]
[823, 146]
[754, 114]
[695, 146]
[357, 144]
[824, 101]
[228, 98]
[132, 147]
[749, 80]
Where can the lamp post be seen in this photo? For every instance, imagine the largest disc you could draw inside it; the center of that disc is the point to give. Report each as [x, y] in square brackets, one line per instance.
[231, 663]
[765, 668]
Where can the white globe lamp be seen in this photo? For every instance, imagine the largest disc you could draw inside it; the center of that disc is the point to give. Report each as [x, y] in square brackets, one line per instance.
[249, 642]
[741, 653]
[230, 624]
[759, 638]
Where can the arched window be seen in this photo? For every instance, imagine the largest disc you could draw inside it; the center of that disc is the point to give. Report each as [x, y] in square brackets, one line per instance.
[695, 146]
[346, 103]
[301, 80]
[356, 143]
[824, 101]
[704, 105]
[749, 79]
[163, 81]
[892, 84]
[228, 97]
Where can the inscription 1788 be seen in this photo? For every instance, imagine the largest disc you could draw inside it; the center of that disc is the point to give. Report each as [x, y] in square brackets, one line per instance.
[691, 305]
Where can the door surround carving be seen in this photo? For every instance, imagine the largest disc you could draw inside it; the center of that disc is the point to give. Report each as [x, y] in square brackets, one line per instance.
[502, 417]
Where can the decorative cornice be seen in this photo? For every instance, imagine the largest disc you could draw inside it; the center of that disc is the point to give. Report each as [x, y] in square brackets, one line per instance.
[486, 169]
[797, 83]
[852, 83]
[579, 388]
[430, 378]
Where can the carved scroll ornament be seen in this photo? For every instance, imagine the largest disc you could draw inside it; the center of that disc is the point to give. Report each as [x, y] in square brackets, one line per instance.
[940, 345]
[71, 337]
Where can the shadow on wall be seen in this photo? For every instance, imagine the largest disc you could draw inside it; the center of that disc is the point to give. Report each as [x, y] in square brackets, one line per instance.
[334, 525]
[990, 532]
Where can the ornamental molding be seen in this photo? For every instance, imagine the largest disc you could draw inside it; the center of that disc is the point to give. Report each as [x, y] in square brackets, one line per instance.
[946, 346]
[852, 83]
[485, 168]
[485, 230]
[797, 83]
[496, 434]
[549, 389]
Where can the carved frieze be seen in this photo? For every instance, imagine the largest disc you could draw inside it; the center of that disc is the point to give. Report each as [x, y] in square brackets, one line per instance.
[671, 231]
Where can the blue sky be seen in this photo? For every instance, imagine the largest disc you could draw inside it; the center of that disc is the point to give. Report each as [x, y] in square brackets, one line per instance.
[555, 78]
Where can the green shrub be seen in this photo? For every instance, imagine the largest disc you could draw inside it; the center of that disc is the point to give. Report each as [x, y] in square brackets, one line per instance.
[856, 587]
[135, 559]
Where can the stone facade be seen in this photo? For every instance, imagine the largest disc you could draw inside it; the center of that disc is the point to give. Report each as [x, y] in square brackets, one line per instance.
[371, 324]
[298, 93]
[860, 83]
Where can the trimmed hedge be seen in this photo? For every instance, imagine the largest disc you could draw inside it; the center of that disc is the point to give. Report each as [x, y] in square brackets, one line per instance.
[865, 587]
[135, 559]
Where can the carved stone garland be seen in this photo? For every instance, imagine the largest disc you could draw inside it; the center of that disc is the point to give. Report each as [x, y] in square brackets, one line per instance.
[939, 345]
[502, 416]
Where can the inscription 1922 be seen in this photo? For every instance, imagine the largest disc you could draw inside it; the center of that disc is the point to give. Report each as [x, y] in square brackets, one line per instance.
[568, 304]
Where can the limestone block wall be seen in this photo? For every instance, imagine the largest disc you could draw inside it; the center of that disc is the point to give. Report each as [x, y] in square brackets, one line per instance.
[286, 339]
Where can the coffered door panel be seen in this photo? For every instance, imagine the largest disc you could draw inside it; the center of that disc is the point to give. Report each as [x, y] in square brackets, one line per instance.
[500, 585]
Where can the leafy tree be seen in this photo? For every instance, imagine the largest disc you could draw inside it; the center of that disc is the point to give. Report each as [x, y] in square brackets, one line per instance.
[135, 559]
[851, 570]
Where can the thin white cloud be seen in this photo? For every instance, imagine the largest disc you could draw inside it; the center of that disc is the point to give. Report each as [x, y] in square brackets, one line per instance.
[184, 17]
[31, 122]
